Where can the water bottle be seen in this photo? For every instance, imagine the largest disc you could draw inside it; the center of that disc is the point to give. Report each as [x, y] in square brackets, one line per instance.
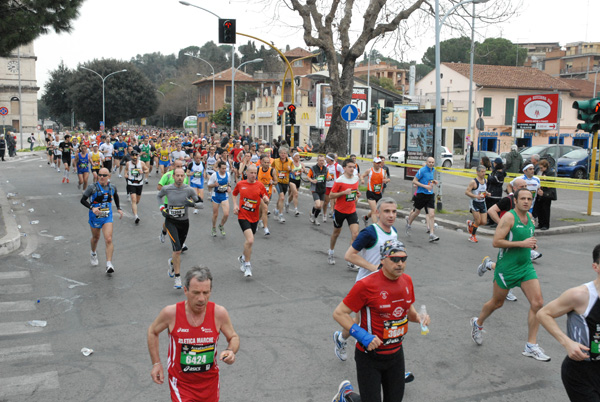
[422, 314]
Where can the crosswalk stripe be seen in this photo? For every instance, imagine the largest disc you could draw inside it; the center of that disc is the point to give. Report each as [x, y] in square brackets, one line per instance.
[27, 384]
[15, 289]
[21, 305]
[17, 328]
[25, 352]
[14, 275]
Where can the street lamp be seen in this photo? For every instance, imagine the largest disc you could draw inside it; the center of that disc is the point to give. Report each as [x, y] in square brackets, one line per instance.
[163, 95]
[103, 80]
[233, 90]
[185, 3]
[213, 79]
[438, 97]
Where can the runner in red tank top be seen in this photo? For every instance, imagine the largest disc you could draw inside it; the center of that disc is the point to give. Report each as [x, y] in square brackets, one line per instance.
[194, 326]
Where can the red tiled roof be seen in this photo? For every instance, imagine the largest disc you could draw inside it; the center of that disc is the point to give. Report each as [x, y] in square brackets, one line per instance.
[225, 75]
[510, 77]
[581, 88]
[297, 52]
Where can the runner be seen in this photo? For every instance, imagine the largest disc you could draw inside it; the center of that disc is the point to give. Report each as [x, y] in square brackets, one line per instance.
[211, 161]
[236, 153]
[425, 198]
[192, 366]
[82, 162]
[335, 170]
[66, 149]
[283, 167]
[107, 150]
[580, 372]
[318, 175]
[345, 193]
[295, 180]
[267, 176]
[98, 198]
[195, 171]
[97, 160]
[377, 178]
[385, 300]
[146, 157]
[250, 192]
[219, 183]
[119, 146]
[165, 180]
[180, 197]
[57, 153]
[477, 191]
[163, 153]
[514, 237]
[134, 176]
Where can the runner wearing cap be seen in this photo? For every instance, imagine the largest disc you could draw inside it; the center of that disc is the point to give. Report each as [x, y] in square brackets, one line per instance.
[335, 170]
[533, 183]
[377, 177]
[295, 179]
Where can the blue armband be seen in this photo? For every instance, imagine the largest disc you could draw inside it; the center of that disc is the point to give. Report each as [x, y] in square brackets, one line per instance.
[361, 335]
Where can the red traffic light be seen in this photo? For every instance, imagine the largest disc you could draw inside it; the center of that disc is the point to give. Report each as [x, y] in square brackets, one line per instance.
[291, 108]
[227, 24]
[597, 108]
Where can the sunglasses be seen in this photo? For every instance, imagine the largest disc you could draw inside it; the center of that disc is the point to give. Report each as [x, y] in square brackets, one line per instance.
[398, 259]
[102, 175]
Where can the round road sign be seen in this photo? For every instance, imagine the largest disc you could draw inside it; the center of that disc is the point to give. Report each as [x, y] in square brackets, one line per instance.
[3, 111]
[280, 108]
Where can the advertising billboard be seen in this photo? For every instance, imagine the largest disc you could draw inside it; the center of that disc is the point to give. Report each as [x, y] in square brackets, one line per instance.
[538, 112]
[360, 98]
[420, 143]
[399, 120]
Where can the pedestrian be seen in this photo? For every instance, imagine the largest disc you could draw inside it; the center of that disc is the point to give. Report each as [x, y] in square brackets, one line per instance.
[194, 326]
[485, 161]
[98, 198]
[477, 191]
[31, 141]
[494, 186]
[580, 372]
[425, 198]
[514, 237]
[545, 197]
[514, 160]
[385, 300]
[2, 147]
[11, 142]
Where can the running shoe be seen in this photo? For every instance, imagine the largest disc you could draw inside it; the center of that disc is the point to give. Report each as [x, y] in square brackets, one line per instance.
[535, 255]
[78, 186]
[137, 220]
[331, 215]
[536, 352]
[311, 218]
[433, 238]
[109, 268]
[317, 222]
[222, 229]
[177, 282]
[296, 212]
[196, 211]
[213, 232]
[287, 207]
[281, 219]
[261, 224]
[473, 239]
[171, 269]
[64, 178]
[476, 331]
[345, 388]
[324, 218]
[242, 261]
[340, 346]
[267, 233]
[366, 220]
[162, 237]
[330, 259]
[146, 181]
[120, 175]
[486, 265]
[351, 266]
[67, 181]
[408, 377]
[247, 269]
[510, 296]
[408, 227]
[470, 227]
[184, 248]
[276, 212]
[93, 259]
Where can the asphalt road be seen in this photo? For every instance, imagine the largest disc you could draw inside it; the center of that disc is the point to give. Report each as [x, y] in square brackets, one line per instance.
[283, 314]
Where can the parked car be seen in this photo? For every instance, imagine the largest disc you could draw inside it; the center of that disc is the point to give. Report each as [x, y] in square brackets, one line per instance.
[476, 159]
[575, 164]
[398, 157]
[551, 152]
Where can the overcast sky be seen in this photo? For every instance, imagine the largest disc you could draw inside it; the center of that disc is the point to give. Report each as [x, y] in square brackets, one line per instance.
[121, 29]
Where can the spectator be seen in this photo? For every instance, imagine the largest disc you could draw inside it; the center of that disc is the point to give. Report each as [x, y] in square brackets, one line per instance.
[11, 142]
[514, 160]
[545, 197]
[535, 159]
[2, 147]
[31, 141]
[485, 161]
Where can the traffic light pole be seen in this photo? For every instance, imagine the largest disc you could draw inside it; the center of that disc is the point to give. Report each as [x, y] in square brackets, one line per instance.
[378, 127]
[592, 171]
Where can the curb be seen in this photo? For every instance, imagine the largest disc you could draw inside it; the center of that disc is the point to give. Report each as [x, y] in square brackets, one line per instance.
[12, 240]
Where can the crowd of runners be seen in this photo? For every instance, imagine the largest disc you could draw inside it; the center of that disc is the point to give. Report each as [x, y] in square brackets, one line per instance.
[263, 182]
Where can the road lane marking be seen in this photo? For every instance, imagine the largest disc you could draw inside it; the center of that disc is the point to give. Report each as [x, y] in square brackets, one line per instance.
[17, 328]
[28, 384]
[22, 305]
[14, 275]
[15, 289]
[29, 352]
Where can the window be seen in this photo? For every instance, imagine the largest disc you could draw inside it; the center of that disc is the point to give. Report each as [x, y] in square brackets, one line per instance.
[227, 93]
[298, 63]
[487, 107]
[509, 111]
[14, 105]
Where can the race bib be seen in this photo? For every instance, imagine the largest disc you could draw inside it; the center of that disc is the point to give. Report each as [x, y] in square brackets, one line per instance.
[176, 212]
[351, 196]
[282, 175]
[83, 166]
[107, 158]
[320, 178]
[103, 213]
[249, 205]
[198, 175]
[195, 358]
[394, 330]
[135, 172]
[222, 188]
[377, 188]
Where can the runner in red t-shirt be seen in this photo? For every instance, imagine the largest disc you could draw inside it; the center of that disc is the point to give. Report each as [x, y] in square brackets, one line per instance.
[345, 193]
[385, 300]
[250, 192]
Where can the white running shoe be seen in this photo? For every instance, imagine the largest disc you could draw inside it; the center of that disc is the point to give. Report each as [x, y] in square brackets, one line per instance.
[171, 269]
[476, 331]
[330, 259]
[261, 224]
[510, 296]
[296, 212]
[177, 282]
[109, 268]
[351, 266]
[311, 218]
[247, 270]
[281, 219]
[162, 237]
[287, 207]
[486, 265]
[536, 352]
[535, 255]
[433, 238]
[267, 233]
[324, 218]
[94, 258]
[242, 261]
[340, 346]
[120, 176]
[196, 211]
[408, 227]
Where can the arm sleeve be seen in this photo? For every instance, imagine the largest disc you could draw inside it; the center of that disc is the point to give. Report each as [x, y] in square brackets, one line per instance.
[86, 196]
[160, 196]
[116, 198]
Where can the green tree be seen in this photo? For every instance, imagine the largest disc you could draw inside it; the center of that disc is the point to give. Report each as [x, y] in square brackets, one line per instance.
[156, 66]
[23, 21]
[455, 50]
[499, 52]
[56, 95]
[128, 95]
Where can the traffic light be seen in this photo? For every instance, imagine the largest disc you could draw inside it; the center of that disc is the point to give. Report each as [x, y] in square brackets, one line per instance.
[589, 112]
[384, 115]
[287, 118]
[229, 118]
[373, 116]
[279, 120]
[292, 114]
[226, 30]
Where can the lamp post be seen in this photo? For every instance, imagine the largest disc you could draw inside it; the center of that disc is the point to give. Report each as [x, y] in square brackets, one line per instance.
[371, 128]
[233, 90]
[438, 97]
[163, 95]
[103, 98]
[213, 79]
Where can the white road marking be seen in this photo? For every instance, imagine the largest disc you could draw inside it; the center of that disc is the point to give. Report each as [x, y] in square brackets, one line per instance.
[17, 328]
[25, 352]
[74, 282]
[15, 289]
[21, 305]
[28, 384]
[14, 275]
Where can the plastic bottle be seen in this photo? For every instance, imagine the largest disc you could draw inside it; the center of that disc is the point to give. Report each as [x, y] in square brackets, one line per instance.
[422, 314]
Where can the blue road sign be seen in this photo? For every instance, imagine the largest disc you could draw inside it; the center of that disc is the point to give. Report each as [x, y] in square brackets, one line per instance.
[349, 112]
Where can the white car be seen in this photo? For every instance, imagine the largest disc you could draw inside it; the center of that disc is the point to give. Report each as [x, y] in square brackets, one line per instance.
[398, 157]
